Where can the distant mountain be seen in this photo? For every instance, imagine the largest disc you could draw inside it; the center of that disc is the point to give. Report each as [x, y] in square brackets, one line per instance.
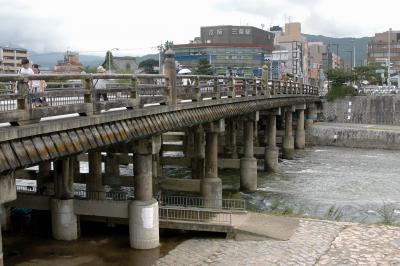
[345, 44]
[49, 60]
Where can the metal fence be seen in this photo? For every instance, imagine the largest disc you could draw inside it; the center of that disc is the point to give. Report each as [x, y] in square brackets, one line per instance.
[26, 189]
[195, 215]
[199, 202]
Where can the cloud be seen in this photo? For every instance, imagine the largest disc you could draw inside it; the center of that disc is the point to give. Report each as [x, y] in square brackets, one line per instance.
[24, 28]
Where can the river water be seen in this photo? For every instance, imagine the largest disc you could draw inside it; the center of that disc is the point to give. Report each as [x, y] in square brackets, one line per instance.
[358, 184]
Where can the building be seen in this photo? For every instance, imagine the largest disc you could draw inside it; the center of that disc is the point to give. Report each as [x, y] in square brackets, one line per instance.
[70, 64]
[125, 64]
[292, 41]
[378, 49]
[10, 59]
[231, 50]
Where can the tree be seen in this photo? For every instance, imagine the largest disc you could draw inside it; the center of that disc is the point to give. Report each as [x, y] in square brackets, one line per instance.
[339, 79]
[109, 61]
[204, 67]
[148, 66]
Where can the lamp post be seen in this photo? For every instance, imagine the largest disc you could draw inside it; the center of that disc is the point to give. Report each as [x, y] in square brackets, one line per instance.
[109, 58]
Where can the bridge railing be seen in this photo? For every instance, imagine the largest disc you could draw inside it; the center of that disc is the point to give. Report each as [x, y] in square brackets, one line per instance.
[77, 93]
[195, 215]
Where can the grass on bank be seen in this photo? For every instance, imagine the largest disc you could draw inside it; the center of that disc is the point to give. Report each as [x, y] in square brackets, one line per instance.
[340, 91]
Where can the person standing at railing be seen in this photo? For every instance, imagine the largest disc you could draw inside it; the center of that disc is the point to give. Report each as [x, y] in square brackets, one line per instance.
[24, 70]
[37, 87]
[100, 84]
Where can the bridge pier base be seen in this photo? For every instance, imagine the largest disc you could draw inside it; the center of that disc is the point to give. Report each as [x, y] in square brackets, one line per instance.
[248, 164]
[143, 224]
[94, 183]
[63, 219]
[198, 153]
[271, 151]
[300, 141]
[211, 184]
[143, 211]
[288, 140]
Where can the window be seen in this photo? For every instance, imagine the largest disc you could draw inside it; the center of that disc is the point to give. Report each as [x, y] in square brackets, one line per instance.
[234, 31]
[210, 32]
[220, 31]
[241, 31]
[248, 31]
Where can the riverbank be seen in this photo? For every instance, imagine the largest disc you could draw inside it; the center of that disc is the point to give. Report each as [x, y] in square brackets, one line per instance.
[366, 136]
[315, 242]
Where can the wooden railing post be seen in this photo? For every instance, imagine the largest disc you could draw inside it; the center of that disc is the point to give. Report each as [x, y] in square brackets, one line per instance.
[170, 72]
[88, 97]
[25, 100]
[217, 92]
[197, 91]
[232, 87]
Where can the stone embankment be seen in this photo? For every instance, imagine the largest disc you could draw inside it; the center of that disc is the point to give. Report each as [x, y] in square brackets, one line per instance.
[354, 135]
[313, 243]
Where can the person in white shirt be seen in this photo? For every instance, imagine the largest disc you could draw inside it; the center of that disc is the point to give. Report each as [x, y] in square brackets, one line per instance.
[37, 86]
[24, 70]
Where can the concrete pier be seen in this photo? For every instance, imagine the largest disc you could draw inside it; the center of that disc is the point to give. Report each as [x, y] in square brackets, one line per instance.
[94, 182]
[143, 211]
[311, 115]
[288, 140]
[44, 180]
[232, 139]
[111, 176]
[211, 184]
[198, 153]
[248, 164]
[63, 219]
[271, 151]
[300, 140]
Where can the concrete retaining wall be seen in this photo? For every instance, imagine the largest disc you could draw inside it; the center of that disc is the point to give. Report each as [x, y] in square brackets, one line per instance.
[354, 135]
[371, 109]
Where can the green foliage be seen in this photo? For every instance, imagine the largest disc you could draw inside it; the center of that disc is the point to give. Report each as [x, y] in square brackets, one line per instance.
[109, 61]
[334, 213]
[387, 214]
[204, 67]
[164, 47]
[89, 69]
[340, 91]
[2, 87]
[148, 66]
[368, 73]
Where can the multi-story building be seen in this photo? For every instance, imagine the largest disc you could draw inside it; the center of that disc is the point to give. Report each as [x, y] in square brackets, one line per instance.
[378, 49]
[70, 64]
[292, 41]
[231, 50]
[10, 59]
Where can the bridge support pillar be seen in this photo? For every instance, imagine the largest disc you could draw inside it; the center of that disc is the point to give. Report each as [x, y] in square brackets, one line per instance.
[271, 151]
[300, 141]
[44, 182]
[94, 183]
[198, 153]
[231, 147]
[111, 176]
[211, 184]
[64, 222]
[288, 140]
[248, 164]
[143, 211]
[311, 115]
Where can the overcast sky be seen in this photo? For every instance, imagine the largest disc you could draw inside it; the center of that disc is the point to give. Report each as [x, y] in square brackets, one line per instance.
[137, 26]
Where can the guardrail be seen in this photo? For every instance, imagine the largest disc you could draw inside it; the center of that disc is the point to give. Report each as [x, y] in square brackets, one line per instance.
[199, 202]
[195, 215]
[68, 94]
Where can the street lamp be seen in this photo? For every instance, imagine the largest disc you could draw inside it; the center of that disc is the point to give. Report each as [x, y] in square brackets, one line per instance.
[109, 58]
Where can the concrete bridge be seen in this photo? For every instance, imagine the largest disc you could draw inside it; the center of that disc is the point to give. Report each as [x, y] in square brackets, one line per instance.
[77, 124]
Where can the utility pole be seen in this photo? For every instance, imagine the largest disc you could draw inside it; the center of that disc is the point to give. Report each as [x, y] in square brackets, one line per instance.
[389, 41]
